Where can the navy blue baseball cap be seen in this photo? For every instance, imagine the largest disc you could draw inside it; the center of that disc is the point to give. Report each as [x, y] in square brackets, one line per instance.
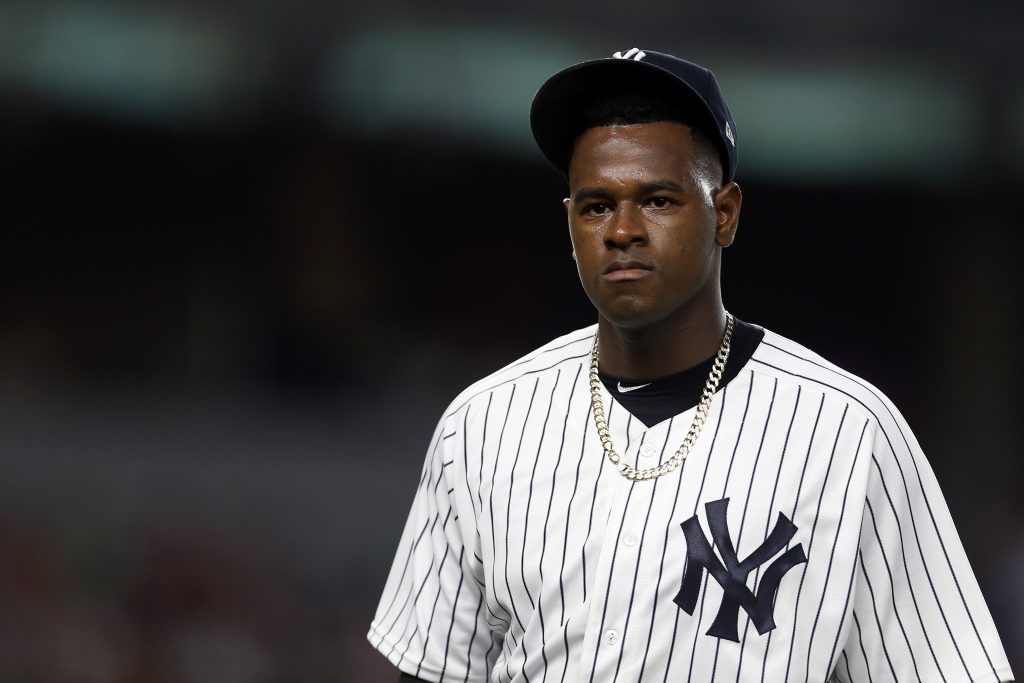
[555, 114]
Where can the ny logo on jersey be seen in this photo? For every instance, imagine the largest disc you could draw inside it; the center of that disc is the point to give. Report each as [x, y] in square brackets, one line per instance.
[732, 577]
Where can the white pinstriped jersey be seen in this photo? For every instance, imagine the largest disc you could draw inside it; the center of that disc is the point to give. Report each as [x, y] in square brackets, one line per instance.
[527, 557]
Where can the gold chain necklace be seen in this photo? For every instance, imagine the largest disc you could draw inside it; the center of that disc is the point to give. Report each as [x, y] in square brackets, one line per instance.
[703, 408]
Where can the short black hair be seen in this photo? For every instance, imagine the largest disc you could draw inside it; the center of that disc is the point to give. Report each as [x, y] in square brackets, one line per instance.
[628, 108]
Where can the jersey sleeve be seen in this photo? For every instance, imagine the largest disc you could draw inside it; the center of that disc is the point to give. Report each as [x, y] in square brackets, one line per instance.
[917, 611]
[431, 622]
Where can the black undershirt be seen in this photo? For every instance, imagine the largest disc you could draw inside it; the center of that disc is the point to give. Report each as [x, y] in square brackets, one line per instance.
[668, 396]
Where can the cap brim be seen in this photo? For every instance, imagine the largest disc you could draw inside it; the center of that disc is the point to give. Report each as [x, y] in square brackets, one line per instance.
[555, 116]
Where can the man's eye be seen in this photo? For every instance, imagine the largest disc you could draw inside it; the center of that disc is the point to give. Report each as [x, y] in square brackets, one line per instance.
[596, 208]
[659, 202]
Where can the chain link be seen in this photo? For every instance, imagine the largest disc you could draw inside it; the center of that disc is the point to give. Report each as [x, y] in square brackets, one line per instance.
[703, 408]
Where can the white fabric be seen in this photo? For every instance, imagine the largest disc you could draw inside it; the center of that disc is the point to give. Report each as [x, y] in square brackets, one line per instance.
[527, 557]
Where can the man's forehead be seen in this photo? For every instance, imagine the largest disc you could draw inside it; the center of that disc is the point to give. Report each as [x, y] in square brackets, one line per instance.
[640, 155]
[629, 145]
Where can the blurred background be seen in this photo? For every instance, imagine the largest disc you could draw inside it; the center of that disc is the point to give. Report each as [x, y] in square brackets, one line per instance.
[249, 251]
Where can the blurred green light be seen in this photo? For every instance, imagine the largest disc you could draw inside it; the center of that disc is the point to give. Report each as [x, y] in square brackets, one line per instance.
[474, 81]
[799, 124]
[862, 123]
[134, 62]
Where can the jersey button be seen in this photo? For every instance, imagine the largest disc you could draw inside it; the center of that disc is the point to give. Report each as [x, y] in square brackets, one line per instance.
[611, 637]
[629, 540]
[647, 450]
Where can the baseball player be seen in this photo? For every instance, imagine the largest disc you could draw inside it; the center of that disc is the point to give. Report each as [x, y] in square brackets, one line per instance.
[673, 494]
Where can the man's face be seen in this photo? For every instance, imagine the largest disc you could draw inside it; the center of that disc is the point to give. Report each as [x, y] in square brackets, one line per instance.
[647, 222]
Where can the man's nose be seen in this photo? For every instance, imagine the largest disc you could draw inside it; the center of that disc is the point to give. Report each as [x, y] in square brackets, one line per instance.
[626, 227]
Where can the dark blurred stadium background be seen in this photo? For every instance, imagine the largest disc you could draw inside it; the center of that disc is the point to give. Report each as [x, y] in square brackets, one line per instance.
[250, 250]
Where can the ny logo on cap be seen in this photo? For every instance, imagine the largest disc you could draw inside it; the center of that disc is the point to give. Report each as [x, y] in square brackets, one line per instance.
[636, 54]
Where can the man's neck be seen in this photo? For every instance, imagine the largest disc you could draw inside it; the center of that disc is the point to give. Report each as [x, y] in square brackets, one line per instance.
[662, 349]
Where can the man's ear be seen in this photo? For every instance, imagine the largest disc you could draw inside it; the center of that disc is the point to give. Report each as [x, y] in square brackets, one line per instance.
[727, 213]
[567, 203]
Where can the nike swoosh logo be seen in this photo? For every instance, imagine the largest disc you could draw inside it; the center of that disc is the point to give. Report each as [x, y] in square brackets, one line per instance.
[626, 390]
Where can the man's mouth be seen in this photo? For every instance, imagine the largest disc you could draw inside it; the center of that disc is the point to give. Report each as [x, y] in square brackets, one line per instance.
[626, 271]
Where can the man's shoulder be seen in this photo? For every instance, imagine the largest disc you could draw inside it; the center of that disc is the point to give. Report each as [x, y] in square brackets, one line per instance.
[570, 349]
[793, 363]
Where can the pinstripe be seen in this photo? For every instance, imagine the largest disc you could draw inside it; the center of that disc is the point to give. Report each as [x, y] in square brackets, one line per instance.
[508, 520]
[792, 514]
[750, 488]
[639, 557]
[874, 609]
[465, 468]
[451, 626]
[513, 381]
[565, 641]
[494, 536]
[405, 569]
[910, 585]
[746, 506]
[924, 494]
[846, 606]
[487, 657]
[526, 524]
[424, 478]
[611, 574]
[895, 608]
[846, 661]
[590, 520]
[832, 555]
[661, 565]
[863, 652]
[807, 459]
[810, 538]
[587, 334]
[433, 612]
[505, 623]
[483, 447]
[409, 623]
[394, 623]
[768, 516]
[472, 638]
[949, 564]
[422, 585]
[924, 565]
[547, 516]
[508, 654]
[725, 488]
[704, 478]
[432, 617]
[739, 435]
[568, 510]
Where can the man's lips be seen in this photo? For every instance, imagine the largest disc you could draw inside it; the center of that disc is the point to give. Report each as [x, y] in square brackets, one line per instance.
[624, 271]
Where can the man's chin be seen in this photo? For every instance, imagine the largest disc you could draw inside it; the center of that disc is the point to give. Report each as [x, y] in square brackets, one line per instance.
[631, 318]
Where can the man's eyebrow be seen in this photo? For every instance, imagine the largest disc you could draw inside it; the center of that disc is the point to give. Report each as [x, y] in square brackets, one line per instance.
[646, 188]
[657, 185]
[591, 193]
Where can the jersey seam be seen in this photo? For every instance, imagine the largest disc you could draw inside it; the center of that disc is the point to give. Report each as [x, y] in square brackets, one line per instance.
[398, 659]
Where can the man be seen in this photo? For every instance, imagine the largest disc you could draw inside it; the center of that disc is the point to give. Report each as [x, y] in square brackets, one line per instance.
[673, 494]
